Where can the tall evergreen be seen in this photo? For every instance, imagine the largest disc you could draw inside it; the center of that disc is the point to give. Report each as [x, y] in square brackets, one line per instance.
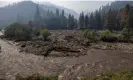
[63, 13]
[57, 12]
[63, 19]
[30, 24]
[127, 17]
[71, 22]
[81, 21]
[98, 20]
[37, 17]
[111, 20]
[91, 20]
[86, 21]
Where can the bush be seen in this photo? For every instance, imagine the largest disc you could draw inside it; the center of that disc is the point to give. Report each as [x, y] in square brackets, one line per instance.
[0, 29]
[45, 33]
[90, 35]
[36, 33]
[107, 36]
[85, 32]
[110, 47]
[126, 35]
[17, 31]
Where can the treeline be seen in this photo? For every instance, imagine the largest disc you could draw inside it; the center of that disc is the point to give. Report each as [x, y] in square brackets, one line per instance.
[100, 19]
[117, 20]
[53, 20]
[92, 21]
[112, 20]
[18, 31]
[22, 32]
[58, 20]
[117, 25]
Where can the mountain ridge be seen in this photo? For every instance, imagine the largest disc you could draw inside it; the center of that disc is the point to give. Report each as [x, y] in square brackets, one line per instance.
[26, 9]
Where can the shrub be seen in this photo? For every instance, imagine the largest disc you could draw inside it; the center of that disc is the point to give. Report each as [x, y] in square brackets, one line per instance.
[85, 32]
[90, 35]
[107, 36]
[45, 33]
[9, 32]
[110, 47]
[17, 31]
[22, 34]
[126, 35]
[37, 33]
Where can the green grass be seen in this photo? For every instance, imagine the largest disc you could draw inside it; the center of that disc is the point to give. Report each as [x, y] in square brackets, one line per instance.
[36, 77]
[123, 75]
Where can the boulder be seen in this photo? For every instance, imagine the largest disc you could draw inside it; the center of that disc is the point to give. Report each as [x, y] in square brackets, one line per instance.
[23, 45]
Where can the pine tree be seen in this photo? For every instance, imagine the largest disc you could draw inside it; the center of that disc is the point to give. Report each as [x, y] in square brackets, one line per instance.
[118, 20]
[86, 21]
[30, 24]
[71, 22]
[57, 12]
[63, 19]
[107, 19]
[124, 16]
[37, 16]
[102, 18]
[97, 20]
[111, 20]
[91, 21]
[129, 23]
[63, 13]
[81, 21]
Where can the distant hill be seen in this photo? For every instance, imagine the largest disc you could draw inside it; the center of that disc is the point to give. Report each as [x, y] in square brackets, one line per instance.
[116, 5]
[26, 9]
[48, 5]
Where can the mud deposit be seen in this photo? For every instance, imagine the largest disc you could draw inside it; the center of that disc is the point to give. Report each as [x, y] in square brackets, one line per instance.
[60, 44]
[92, 60]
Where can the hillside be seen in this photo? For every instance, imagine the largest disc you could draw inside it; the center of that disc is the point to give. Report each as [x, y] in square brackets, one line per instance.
[116, 5]
[26, 9]
[48, 5]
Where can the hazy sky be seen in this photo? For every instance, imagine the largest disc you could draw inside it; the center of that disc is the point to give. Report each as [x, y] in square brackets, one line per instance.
[77, 5]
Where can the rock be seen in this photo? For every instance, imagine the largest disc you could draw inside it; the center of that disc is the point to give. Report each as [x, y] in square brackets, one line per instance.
[2, 36]
[97, 47]
[23, 45]
[0, 48]
[68, 38]
[60, 49]
[86, 43]
[37, 46]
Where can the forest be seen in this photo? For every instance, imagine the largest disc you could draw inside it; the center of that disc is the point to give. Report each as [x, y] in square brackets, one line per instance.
[110, 21]
[102, 18]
